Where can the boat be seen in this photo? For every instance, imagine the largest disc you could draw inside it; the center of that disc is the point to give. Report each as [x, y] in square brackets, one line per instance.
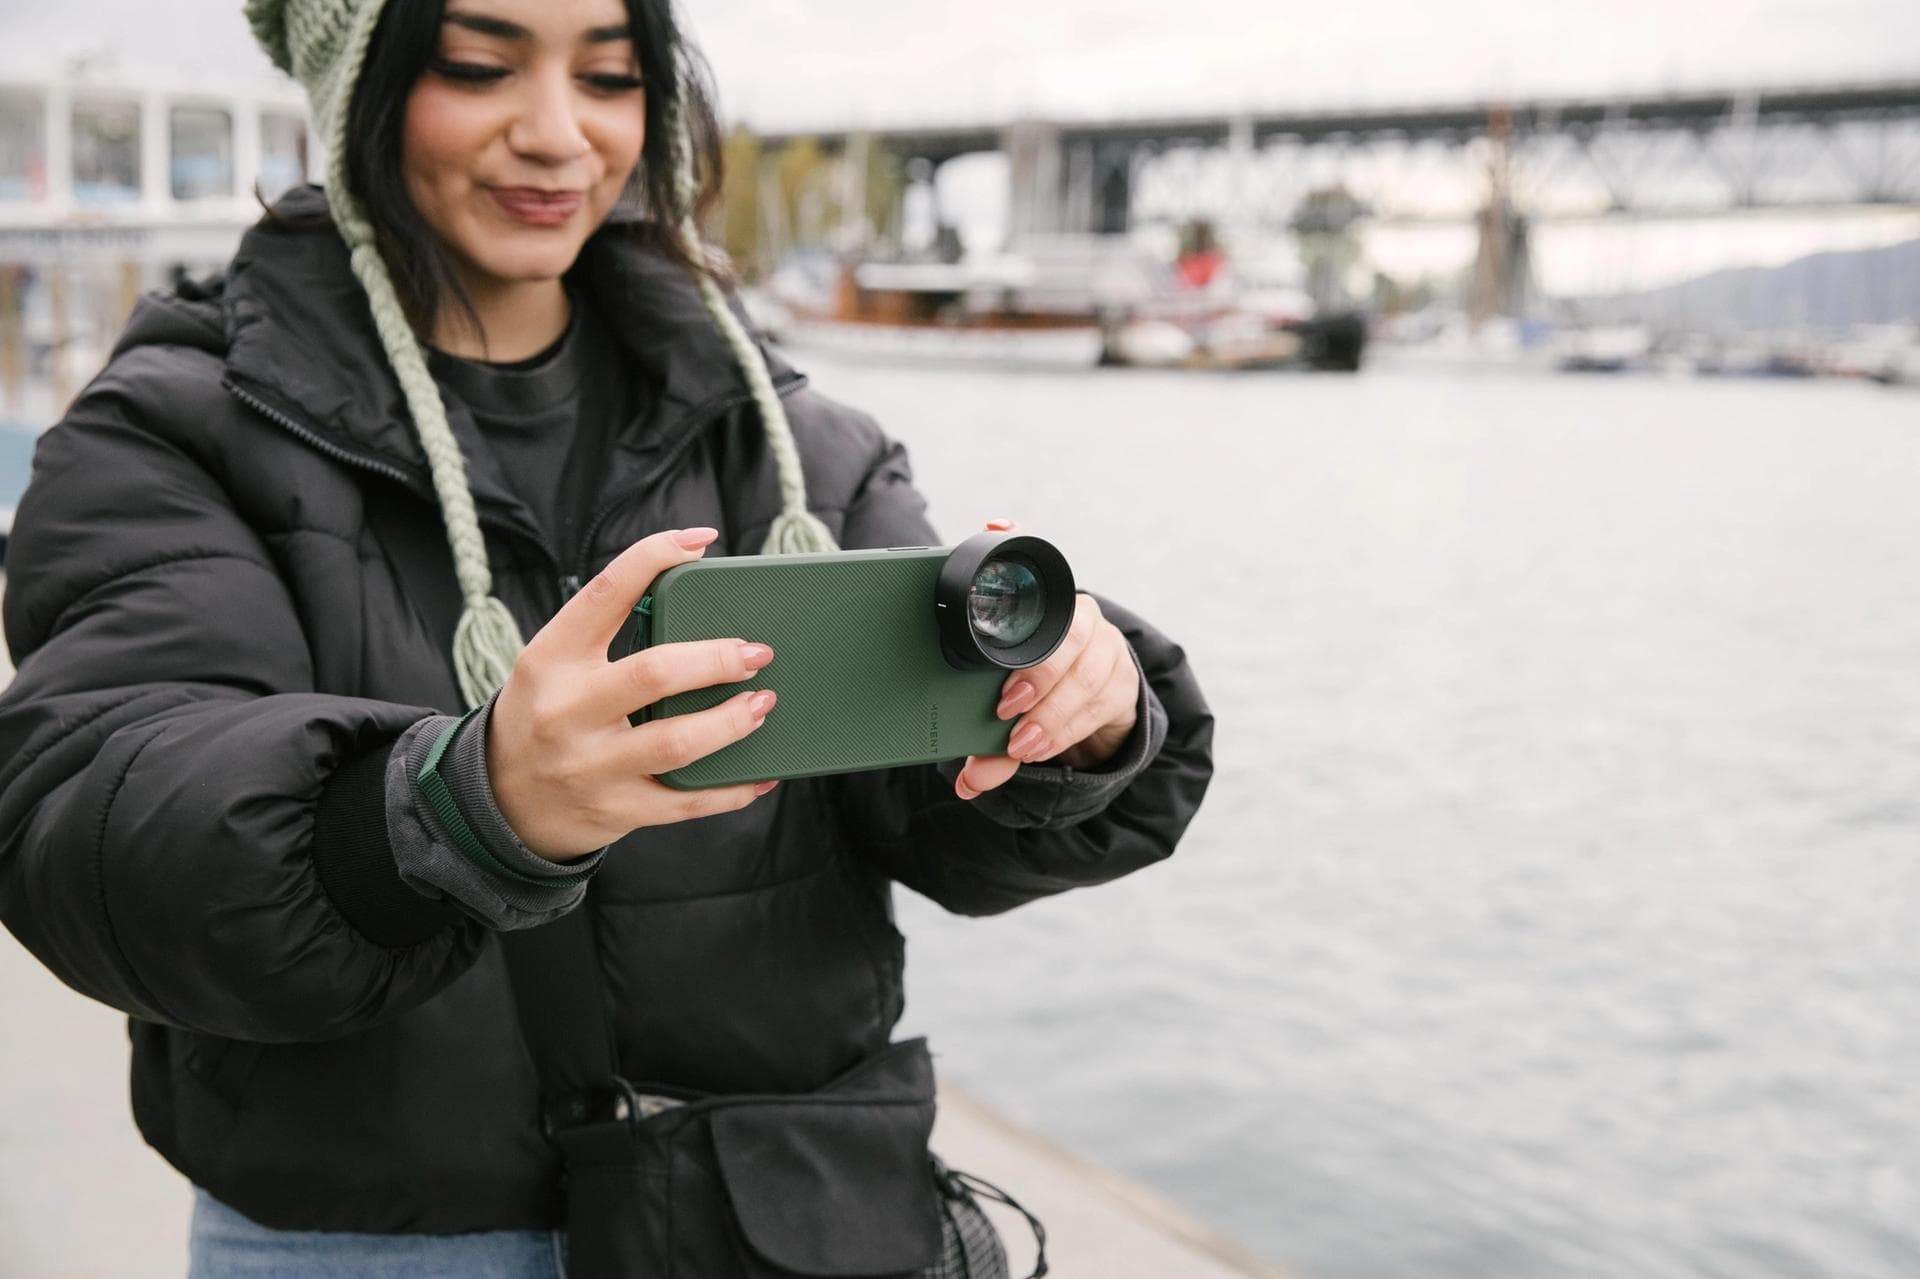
[1210, 312]
[1251, 332]
[939, 312]
[1900, 366]
[1604, 348]
[1060, 302]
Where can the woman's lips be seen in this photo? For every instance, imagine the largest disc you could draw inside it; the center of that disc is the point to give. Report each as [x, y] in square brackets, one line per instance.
[536, 207]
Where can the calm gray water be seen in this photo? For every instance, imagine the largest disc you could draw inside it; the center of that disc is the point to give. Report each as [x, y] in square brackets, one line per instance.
[1555, 910]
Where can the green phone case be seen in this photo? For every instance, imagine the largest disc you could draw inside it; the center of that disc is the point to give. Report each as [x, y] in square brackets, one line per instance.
[857, 664]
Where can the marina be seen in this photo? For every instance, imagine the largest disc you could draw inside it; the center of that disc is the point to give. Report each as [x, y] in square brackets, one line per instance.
[1546, 551]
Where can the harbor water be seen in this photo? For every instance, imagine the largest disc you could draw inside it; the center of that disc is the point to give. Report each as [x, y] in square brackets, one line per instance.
[1553, 912]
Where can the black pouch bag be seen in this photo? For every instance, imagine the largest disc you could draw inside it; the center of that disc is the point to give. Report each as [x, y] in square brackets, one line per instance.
[835, 1182]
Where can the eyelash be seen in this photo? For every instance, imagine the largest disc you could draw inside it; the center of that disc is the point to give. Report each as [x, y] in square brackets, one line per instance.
[477, 73]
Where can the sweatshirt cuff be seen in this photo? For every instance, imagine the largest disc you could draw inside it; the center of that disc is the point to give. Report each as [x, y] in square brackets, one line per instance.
[1058, 795]
[450, 839]
[353, 858]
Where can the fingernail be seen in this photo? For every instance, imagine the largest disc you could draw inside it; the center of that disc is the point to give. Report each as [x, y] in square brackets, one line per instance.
[755, 656]
[963, 790]
[761, 702]
[1017, 699]
[1000, 524]
[1027, 741]
[764, 787]
[692, 539]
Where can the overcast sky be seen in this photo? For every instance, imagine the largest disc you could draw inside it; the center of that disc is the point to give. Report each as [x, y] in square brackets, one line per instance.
[787, 63]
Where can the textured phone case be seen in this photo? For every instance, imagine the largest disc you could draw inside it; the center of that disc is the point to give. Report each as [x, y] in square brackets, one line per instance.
[857, 664]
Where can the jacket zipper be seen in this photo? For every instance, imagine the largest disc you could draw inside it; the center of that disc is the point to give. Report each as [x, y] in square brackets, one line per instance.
[322, 445]
[571, 583]
[313, 440]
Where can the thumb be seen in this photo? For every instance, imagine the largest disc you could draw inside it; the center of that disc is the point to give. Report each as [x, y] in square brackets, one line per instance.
[588, 622]
[983, 773]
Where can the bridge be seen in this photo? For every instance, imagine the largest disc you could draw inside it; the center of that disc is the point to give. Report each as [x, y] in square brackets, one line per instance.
[1679, 155]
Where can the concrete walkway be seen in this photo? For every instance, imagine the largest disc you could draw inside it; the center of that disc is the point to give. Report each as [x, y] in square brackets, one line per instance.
[82, 1197]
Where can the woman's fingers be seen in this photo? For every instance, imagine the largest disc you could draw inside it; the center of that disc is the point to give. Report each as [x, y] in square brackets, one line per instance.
[658, 804]
[983, 773]
[587, 623]
[1024, 688]
[1079, 702]
[1089, 684]
[643, 678]
[663, 745]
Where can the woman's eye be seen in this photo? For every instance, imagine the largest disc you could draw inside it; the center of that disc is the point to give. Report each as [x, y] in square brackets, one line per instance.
[468, 72]
[607, 82]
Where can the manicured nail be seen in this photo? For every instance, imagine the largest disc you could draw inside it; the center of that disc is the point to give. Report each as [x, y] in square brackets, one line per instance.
[1027, 742]
[1020, 697]
[764, 788]
[692, 539]
[761, 702]
[1000, 524]
[755, 656]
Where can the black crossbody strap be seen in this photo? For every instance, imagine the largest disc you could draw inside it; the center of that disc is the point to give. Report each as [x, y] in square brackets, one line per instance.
[554, 969]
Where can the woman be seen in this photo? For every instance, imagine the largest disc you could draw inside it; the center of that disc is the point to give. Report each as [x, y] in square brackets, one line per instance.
[234, 674]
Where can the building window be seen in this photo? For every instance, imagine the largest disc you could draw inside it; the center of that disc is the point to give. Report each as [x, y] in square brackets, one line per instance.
[283, 153]
[202, 153]
[106, 153]
[23, 147]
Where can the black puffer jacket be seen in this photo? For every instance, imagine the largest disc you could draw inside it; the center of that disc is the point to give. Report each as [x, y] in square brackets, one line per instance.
[206, 631]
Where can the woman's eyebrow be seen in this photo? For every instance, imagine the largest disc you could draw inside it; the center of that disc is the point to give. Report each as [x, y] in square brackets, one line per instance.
[500, 27]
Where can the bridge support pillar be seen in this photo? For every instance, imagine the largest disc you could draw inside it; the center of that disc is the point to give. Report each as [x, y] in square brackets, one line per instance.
[1036, 179]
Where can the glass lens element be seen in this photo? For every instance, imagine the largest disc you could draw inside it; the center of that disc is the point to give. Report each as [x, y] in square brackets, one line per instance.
[1005, 603]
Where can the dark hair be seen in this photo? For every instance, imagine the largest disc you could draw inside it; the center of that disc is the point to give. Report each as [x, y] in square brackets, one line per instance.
[407, 38]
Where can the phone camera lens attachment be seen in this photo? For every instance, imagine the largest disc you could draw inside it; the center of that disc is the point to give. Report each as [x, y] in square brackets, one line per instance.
[1003, 599]
[1004, 603]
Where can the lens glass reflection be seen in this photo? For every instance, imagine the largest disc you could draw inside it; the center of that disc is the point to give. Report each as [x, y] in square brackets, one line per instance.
[1005, 602]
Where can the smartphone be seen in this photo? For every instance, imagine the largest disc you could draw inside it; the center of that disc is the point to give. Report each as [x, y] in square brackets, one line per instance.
[881, 658]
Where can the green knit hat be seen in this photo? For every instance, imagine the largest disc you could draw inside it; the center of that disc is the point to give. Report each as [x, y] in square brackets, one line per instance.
[323, 45]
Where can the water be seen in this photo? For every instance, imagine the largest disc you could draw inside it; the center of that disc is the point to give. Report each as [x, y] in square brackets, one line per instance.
[16, 464]
[1554, 908]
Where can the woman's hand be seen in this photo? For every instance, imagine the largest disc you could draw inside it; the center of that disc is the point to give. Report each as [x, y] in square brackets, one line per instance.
[569, 772]
[1077, 706]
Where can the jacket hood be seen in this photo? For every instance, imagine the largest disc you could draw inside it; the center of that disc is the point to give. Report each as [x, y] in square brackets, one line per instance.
[298, 334]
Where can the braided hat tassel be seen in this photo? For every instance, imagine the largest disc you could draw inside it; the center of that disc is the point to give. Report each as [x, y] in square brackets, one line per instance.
[486, 641]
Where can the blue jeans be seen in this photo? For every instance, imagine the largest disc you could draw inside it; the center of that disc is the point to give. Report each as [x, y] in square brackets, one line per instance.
[226, 1245]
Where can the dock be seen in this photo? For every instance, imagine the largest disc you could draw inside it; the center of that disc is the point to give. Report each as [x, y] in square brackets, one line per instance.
[82, 1197]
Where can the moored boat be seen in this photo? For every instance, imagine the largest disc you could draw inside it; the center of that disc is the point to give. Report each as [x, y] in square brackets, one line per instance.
[936, 312]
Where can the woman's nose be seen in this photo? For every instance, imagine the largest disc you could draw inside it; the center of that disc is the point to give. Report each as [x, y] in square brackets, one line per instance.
[547, 127]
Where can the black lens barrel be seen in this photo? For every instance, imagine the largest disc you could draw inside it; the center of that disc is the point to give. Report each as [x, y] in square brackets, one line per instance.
[964, 647]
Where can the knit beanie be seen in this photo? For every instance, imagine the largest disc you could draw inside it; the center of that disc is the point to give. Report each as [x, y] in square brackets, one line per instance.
[323, 45]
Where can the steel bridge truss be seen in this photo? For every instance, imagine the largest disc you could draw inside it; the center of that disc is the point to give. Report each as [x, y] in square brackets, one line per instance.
[1673, 158]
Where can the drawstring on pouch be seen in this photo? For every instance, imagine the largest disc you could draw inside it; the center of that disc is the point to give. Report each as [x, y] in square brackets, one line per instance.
[958, 1184]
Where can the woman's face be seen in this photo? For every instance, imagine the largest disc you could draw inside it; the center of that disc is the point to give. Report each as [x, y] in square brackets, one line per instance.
[522, 132]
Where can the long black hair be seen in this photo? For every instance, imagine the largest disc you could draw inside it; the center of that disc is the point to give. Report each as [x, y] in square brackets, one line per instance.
[407, 39]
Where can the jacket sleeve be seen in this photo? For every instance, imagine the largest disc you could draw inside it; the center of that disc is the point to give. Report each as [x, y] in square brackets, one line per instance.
[1043, 837]
[163, 757]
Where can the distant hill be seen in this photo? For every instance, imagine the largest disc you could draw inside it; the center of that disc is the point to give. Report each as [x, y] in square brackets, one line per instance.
[1824, 291]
